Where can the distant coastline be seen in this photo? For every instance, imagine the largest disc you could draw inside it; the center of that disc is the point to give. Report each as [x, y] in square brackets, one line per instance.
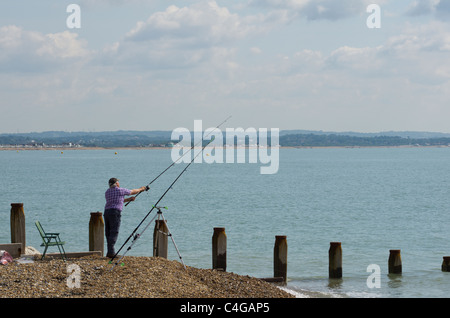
[170, 148]
[57, 140]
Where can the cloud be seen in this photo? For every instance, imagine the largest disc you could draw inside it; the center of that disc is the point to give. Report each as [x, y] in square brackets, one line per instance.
[185, 37]
[417, 55]
[431, 37]
[256, 50]
[333, 10]
[317, 9]
[400, 83]
[31, 51]
[438, 8]
[422, 7]
[202, 24]
[410, 69]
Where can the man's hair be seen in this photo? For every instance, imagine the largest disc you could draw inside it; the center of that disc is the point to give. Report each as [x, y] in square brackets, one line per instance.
[112, 182]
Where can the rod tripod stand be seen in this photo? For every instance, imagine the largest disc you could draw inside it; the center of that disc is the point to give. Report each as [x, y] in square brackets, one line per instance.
[160, 217]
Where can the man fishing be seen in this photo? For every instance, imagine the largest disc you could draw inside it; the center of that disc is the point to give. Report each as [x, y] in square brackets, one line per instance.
[115, 197]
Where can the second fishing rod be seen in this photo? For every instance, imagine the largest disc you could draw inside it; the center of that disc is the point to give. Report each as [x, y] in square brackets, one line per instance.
[136, 236]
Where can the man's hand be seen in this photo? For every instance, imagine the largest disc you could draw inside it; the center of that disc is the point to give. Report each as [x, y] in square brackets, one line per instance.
[145, 188]
[129, 199]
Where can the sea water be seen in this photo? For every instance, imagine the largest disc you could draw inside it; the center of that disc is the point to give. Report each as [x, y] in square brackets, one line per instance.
[369, 199]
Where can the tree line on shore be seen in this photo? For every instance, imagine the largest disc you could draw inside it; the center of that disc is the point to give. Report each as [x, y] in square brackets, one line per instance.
[333, 140]
[163, 138]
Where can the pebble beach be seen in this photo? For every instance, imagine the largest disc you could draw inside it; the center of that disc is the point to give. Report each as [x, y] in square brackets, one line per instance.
[138, 277]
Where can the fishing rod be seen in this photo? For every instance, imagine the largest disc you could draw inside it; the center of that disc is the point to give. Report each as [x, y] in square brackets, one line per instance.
[173, 163]
[137, 236]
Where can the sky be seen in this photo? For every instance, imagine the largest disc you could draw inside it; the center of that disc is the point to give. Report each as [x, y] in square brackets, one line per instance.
[160, 65]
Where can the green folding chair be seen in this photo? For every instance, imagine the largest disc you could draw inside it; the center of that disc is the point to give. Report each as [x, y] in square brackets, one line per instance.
[47, 241]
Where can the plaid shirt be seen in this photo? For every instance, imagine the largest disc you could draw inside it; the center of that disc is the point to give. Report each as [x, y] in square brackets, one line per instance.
[114, 198]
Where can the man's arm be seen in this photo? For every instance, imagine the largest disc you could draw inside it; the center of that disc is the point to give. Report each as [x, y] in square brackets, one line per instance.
[136, 191]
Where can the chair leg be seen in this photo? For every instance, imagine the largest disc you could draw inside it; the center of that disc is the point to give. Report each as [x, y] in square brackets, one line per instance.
[62, 247]
[45, 250]
[63, 253]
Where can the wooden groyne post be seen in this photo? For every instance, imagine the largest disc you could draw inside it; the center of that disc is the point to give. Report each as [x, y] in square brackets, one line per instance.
[395, 262]
[17, 222]
[280, 257]
[219, 249]
[446, 264]
[96, 232]
[335, 260]
[160, 239]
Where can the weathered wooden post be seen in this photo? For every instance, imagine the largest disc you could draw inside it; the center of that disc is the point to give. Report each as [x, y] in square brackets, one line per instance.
[219, 249]
[446, 264]
[395, 262]
[17, 221]
[160, 240]
[335, 260]
[280, 257]
[96, 232]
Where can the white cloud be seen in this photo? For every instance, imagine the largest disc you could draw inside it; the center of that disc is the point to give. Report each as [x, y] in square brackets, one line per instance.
[198, 25]
[290, 4]
[318, 9]
[434, 36]
[185, 37]
[255, 50]
[439, 8]
[333, 10]
[418, 54]
[403, 82]
[30, 51]
[420, 7]
[62, 45]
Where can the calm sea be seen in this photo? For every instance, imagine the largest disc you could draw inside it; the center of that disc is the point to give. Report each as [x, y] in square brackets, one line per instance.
[369, 199]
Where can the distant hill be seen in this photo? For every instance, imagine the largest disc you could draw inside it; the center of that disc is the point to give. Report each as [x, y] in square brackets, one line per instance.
[312, 140]
[89, 139]
[293, 138]
[403, 134]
